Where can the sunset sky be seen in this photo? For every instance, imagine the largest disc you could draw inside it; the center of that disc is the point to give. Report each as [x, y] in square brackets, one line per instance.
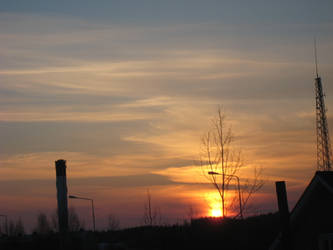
[124, 91]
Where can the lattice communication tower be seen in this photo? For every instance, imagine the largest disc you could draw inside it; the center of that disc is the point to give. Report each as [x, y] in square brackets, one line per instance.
[324, 153]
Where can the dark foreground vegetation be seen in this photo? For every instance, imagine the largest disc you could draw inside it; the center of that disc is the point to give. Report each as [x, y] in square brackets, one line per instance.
[204, 233]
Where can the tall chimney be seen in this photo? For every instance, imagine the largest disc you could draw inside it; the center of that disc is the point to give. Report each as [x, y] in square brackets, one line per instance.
[61, 183]
[281, 194]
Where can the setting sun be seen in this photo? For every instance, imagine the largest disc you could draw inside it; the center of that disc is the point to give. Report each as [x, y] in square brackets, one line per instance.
[216, 212]
[215, 209]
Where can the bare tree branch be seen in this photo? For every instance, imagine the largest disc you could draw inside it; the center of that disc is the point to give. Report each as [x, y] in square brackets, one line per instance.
[221, 164]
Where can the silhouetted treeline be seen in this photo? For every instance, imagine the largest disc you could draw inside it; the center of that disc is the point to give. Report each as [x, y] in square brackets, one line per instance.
[205, 233]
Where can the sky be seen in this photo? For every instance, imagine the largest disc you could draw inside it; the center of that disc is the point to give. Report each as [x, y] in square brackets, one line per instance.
[124, 91]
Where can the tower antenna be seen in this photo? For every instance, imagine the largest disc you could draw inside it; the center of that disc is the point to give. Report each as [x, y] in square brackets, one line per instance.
[315, 55]
[324, 153]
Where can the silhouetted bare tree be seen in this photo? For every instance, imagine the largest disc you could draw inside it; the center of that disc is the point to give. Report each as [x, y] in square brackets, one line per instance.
[191, 213]
[19, 227]
[151, 216]
[113, 223]
[221, 164]
[3, 226]
[43, 224]
[11, 228]
[16, 228]
[54, 221]
[74, 221]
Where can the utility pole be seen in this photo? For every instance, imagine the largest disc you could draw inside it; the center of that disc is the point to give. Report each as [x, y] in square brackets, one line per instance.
[281, 195]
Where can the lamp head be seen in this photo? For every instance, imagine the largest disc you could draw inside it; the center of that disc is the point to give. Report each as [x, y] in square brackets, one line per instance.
[213, 173]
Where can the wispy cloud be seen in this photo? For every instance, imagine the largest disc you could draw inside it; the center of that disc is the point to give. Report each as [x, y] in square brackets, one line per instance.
[126, 103]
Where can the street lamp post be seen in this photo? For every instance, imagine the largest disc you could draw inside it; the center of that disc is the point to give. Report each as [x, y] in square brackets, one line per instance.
[6, 222]
[92, 207]
[239, 191]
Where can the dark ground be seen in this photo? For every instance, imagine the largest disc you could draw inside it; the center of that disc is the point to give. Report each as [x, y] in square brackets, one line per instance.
[205, 233]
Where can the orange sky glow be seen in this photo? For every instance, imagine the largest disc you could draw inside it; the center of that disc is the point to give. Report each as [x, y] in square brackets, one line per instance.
[125, 97]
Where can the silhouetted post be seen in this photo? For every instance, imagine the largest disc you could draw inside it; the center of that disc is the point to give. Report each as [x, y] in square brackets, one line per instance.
[281, 194]
[62, 196]
[6, 222]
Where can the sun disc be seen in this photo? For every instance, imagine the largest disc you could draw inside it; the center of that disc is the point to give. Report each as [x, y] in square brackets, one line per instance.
[216, 213]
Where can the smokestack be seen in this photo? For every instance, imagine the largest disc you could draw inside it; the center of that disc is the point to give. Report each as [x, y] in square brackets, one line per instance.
[281, 194]
[61, 183]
